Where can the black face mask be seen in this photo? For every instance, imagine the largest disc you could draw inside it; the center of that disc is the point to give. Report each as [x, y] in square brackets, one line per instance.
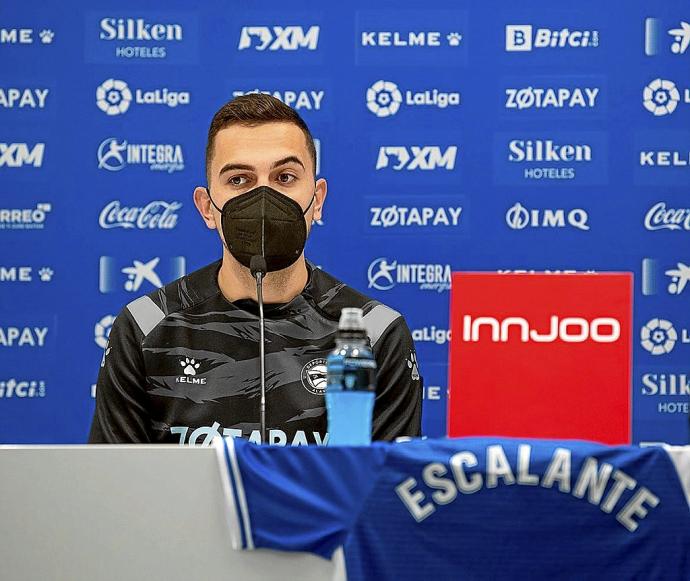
[264, 222]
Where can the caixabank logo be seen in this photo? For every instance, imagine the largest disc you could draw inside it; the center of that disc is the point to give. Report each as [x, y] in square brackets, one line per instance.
[411, 37]
[662, 158]
[666, 277]
[665, 37]
[148, 37]
[556, 158]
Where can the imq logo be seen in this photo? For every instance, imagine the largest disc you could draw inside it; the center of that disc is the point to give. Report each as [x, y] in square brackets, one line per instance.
[21, 154]
[518, 218]
[566, 329]
[279, 38]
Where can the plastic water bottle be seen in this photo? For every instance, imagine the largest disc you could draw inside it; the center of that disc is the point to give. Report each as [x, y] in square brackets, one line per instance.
[351, 383]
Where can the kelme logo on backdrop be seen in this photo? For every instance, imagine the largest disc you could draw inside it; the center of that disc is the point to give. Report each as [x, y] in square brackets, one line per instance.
[114, 97]
[24, 36]
[171, 37]
[384, 274]
[385, 98]
[115, 155]
[24, 274]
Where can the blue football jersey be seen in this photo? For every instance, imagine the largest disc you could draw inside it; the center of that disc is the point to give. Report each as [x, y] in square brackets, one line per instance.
[469, 508]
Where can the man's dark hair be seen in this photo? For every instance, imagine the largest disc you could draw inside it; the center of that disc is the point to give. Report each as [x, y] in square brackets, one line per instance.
[251, 110]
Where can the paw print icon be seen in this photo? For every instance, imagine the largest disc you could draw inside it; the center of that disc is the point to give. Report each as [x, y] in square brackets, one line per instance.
[454, 38]
[46, 36]
[46, 274]
[190, 366]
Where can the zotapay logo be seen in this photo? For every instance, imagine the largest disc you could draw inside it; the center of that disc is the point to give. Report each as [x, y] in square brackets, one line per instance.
[24, 218]
[11, 388]
[21, 154]
[26, 274]
[416, 157]
[661, 97]
[298, 99]
[25, 36]
[676, 281]
[116, 274]
[518, 218]
[156, 215]
[661, 217]
[114, 97]
[115, 155]
[677, 37]
[384, 98]
[23, 98]
[31, 337]
[384, 274]
[526, 38]
[415, 217]
[279, 38]
[659, 336]
[547, 98]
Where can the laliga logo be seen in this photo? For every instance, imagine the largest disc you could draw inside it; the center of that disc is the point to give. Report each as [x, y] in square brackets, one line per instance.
[568, 329]
[660, 97]
[113, 97]
[384, 98]
[658, 337]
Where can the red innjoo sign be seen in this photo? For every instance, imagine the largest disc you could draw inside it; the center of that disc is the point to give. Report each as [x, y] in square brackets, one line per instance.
[541, 356]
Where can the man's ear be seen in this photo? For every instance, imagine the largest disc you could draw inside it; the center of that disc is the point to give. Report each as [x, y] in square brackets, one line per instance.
[202, 201]
[320, 198]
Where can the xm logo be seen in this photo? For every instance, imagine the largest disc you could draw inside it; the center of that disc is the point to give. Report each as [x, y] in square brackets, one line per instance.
[276, 38]
[19, 154]
[567, 329]
[428, 157]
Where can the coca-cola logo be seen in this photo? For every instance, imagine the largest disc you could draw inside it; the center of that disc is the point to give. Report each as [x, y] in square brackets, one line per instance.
[659, 217]
[156, 215]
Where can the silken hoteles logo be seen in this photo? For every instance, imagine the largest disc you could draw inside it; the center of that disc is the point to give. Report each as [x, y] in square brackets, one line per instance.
[476, 328]
[519, 218]
[22, 388]
[24, 36]
[13, 155]
[26, 274]
[155, 215]
[112, 38]
[661, 217]
[25, 218]
[385, 98]
[23, 337]
[114, 97]
[279, 38]
[527, 38]
[548, 151]
[659, 336]
[663, 386]
[416, 157]
[661, 97]
[670, 38]
[117, 274]
[115, 155]
[676, 281]
[299, 99]
[411, 38]
[23, 98]
[384, 274]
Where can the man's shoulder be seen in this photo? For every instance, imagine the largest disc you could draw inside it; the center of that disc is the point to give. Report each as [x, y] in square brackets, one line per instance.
[331, 295]
[184, 293]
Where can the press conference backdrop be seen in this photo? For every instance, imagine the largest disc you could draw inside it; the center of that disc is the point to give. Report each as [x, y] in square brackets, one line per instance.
[496, 136]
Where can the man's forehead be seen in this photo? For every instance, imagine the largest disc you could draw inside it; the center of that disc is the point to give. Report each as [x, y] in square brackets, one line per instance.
[258, 144]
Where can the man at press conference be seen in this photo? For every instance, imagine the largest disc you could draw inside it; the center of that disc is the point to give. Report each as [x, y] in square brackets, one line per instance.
[182, 364]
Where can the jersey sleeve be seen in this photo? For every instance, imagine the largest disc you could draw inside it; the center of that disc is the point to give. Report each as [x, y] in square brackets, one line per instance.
[305, 498]
[121, 416]
[398, 407]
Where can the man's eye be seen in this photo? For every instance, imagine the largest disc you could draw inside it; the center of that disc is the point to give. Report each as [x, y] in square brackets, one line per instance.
[238, 180]
[286, 178]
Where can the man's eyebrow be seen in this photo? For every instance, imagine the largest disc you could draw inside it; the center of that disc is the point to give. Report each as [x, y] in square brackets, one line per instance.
[288, 159]
[230, 166]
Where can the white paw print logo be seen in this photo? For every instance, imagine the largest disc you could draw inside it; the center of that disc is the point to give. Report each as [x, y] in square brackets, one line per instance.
[412, 364]
[46, 274]
[384, 98]
[658, 336]
[190, 366]
[46, 36]
[113, 97]
[661, 97]
[454, 38]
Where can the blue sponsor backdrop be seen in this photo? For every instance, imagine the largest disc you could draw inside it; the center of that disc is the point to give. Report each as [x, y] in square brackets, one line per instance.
[490, 136]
